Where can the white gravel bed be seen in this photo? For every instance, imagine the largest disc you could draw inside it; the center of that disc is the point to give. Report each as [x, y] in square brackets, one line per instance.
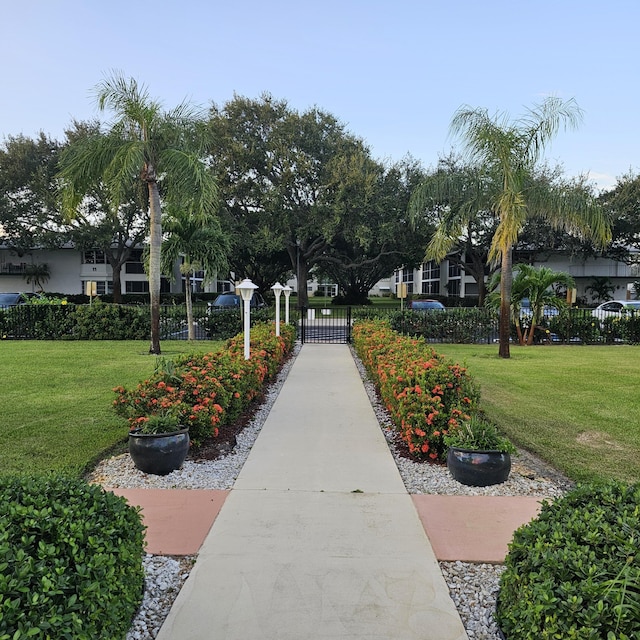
[473, 587]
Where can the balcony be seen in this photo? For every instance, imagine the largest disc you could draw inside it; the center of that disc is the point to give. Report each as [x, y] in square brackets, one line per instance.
[9, 269]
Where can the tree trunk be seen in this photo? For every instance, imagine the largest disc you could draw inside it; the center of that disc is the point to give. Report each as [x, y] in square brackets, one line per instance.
[532, 329]
[191, 332]
[155, 245]
[302, 276]
[116, 268]
[506, 278]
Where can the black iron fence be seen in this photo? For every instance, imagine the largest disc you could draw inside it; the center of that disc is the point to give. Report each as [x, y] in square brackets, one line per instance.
[329, 324]
[101, 321]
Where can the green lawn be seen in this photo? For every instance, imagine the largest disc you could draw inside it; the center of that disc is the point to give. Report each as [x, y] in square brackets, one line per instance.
[56, 397]
[578, 407]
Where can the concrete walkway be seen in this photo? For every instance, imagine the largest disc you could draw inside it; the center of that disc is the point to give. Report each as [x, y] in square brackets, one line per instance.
[319, 538]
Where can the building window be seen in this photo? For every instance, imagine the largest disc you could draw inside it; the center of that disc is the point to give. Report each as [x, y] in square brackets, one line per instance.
[453, 287]
[407, 278]
[137, 286]
[94, 257]
[134, 264]
[431, 287]
[454, 282]
[431, 277]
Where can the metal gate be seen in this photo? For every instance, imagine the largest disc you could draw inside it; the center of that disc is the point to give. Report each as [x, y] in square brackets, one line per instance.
[325, 325]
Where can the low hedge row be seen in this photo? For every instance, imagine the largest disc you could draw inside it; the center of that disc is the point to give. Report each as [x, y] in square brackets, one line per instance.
[206, 391]
[103, 321]
[426, 394]
[70, 559]
[574, 572]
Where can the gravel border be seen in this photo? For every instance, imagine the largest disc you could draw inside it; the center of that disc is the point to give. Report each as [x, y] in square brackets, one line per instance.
[473, 587]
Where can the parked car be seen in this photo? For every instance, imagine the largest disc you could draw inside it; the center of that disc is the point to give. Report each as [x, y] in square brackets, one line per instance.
[14, 299]
[527, 312]
[616, 308]
[426, 305]
[234, 301]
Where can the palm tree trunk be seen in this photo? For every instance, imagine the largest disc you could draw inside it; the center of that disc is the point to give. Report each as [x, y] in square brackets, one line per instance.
[532, 329]
[155, 245]
[191, 332]
[506, 278]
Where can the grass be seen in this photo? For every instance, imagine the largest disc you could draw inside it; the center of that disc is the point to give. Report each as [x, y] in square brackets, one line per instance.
[56, 399]
[577, 407]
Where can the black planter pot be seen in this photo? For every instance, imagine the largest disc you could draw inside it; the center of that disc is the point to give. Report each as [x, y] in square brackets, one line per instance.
[478, 468]
[159, 453]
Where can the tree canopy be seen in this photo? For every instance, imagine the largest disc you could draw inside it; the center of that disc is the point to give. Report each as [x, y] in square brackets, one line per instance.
[162, 149]
[506, 154]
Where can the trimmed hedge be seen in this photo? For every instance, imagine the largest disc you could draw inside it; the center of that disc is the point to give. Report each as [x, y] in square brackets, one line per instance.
[425, 393]
[574, 571]
[70, 558]
[206, 391]
[104, 321]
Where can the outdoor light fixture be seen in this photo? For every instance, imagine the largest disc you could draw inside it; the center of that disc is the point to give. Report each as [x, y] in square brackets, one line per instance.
[287, 292]
[277, 290]
[246, 289]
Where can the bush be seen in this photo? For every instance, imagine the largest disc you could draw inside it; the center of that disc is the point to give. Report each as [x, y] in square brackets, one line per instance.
[102, 321]
[71, 558]
[426, 394]
[575, 324]
[574, 572]
[222, 324]
[456, 325]
[206, 391]
[38, 321]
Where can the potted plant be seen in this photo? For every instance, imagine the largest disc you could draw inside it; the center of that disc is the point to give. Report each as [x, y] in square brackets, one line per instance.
[478, 455]
[158, 444]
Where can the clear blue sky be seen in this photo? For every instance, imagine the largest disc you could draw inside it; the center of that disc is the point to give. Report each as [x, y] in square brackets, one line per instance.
[393, 71]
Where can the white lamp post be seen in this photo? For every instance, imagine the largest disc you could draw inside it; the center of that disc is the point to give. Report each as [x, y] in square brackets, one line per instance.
[277, 290]
[246, 289]
[287, 292]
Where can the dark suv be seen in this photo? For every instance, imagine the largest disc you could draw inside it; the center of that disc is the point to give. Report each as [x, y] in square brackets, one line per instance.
[234, 301]
[14, 299]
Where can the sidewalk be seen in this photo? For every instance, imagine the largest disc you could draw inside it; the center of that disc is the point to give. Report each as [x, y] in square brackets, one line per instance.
[318, 538]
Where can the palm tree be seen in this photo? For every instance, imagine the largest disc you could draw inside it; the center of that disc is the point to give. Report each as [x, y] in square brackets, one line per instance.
[148, 144]
[536, 285]
[37, 274]
[201, 244]
[507, 154]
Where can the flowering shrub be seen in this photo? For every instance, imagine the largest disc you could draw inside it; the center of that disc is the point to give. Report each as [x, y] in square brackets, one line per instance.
[205, 391]
[426, 394]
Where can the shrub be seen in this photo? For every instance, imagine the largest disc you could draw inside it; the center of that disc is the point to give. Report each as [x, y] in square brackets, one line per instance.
[222, 324]
[208, 390]
[574, 572]
[71, 558]
[456, 325]
[37, 321]
[426, 394]
[101, 321]
[577, 324]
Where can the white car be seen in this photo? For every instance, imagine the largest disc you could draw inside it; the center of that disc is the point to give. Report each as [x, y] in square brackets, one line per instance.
[616, 308]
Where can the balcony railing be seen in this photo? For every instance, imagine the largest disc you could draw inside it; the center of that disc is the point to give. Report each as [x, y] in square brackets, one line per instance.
[9, 269]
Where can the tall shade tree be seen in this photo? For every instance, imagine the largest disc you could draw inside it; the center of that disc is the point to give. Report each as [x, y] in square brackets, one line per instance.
[275, 169]
[29, 211]
[507, 153]
[163, 149]
[196, 240]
